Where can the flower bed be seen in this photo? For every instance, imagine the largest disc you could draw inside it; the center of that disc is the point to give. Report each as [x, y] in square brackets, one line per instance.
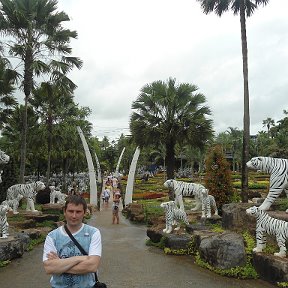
[148, 195]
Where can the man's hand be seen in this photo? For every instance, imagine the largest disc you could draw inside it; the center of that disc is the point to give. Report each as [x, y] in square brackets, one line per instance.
[52, 255]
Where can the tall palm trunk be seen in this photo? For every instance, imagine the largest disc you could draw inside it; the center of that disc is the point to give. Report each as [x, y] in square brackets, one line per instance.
[246, 119]
[28, 79]
[49, 142]
[170, 161]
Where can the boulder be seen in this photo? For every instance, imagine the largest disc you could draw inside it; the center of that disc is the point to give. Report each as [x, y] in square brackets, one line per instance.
[26, 224]
[13, 247]
[154, 235]
[177, 242]
[191, 228]
[234, 217]
[271, 268]
[134, 212]
[199, 235]
[223, 251]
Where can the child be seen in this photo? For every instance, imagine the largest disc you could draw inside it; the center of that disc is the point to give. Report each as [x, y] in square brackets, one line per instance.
[115, 207]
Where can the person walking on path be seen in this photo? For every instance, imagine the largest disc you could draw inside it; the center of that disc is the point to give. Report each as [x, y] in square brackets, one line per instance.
[115, 207]
[62, 259]
[106, 194]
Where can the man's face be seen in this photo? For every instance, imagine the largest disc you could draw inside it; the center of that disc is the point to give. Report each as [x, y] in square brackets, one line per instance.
[74, 214]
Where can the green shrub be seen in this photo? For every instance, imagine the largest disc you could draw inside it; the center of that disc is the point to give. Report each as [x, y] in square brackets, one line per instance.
[35, 242]
[4, 263]
[218, 176]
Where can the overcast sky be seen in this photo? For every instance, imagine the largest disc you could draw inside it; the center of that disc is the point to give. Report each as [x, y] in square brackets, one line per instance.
[126, 44]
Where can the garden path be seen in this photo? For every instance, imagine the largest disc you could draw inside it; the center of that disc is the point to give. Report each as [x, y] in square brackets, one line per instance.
[126, 262]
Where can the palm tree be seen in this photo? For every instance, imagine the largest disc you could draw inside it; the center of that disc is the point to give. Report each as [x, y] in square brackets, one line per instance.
[268, 123]
[235, 138]
[51, 101]
[170, 113]
[36, 37]
[244, 8]
[8, 79]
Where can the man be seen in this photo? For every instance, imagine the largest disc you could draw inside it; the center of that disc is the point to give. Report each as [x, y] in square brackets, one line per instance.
[62, 259]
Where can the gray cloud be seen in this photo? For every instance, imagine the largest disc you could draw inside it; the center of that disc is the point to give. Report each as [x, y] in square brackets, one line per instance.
[127, 44]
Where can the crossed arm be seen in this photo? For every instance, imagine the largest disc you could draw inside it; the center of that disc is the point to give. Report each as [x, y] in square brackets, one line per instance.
[53, 264]
[72, 265]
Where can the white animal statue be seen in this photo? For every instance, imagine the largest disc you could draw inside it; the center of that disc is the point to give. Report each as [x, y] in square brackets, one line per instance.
[278, 170]
[208, 201]
[56, 194]
[3, 221]
[173, 215]
[13, 204]
[28, 191]
[4, 159]
[272, 226]
[182, 188]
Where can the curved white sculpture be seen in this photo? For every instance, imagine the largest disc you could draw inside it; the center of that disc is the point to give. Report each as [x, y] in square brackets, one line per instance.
[182, 188]
[3, 221]
[13, 204]
[28, 191]
[92, 176]
[117, 174]
[278, 170]
[56, 194]
[208, 201]
[173, 215]
[267, 224]
[131, 176]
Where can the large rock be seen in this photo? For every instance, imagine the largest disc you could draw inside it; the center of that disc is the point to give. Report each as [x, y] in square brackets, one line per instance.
[154, 235]
[177, 242]
[271, 268]
[24, 224]
[134, 212]
[234, 217]
[13, 247]
[223, 251]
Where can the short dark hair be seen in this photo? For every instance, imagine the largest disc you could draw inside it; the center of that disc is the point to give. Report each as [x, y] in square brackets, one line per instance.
[77, 200]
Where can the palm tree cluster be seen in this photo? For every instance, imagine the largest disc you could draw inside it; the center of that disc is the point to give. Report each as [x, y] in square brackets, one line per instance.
[35, 45]
[167, 113]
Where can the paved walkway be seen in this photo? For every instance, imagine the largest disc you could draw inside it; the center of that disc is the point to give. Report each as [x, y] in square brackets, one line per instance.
[126, 262]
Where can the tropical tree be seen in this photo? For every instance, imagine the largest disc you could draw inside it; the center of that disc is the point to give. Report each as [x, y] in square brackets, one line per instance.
[36, 38]
[170, 113]
[51, 102]
[8, 78]
[236, 137]
[268, 123]
[12, 133]
[245, 8]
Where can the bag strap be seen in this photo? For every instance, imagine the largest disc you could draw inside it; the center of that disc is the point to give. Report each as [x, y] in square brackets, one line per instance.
[78, 246]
